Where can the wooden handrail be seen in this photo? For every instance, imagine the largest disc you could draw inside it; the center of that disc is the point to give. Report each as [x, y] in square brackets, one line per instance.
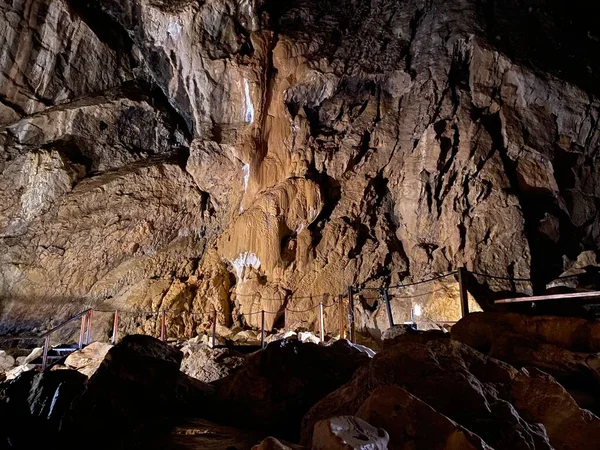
[537, 298]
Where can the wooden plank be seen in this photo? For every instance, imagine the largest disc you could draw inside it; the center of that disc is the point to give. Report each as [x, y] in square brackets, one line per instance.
[538, 298]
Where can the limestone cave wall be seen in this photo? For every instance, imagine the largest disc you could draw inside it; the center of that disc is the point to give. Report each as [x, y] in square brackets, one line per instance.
[242, 155]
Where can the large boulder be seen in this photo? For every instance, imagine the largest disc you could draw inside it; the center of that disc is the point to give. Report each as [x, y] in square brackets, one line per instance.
[412, 423]
[566, 348]
[348, 433]
[209, 364]
[276, 387]
[506, 407]
[136, 384]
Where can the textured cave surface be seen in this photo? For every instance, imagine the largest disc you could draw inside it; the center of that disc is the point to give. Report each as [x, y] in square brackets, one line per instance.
[245, 154]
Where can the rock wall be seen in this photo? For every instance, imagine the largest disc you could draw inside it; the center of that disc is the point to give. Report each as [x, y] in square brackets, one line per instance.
[241, 155]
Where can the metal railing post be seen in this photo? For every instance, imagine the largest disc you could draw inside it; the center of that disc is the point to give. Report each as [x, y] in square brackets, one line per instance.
[351, 314]
[464, 293]
[115, 327]
[262, 329]
[82, 330]
[162, 325]
[386, 299]
[45, 355]
[341, 308]
[321, 322]
[214, 329]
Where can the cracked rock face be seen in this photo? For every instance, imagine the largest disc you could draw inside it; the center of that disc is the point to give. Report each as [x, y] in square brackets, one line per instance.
[247, 155]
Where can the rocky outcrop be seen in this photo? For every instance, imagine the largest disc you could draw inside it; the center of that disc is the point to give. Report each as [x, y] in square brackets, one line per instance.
[492, 403]
[566, 348]
[276, 387]
[248, 155]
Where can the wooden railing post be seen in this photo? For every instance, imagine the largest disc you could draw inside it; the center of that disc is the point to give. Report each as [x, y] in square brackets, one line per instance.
[262, 329]
[341, 307]
[322, 321]
[386, 299]
[163, 325]
[214, 329]
[464, 293]
[45, 354]
[115, 327]
[351, 314]
[88, 338]
[82, 330]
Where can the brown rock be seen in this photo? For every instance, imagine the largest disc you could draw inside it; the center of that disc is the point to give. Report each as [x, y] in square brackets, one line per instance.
[412, 423]
[486, 396]
[348, 433]
[563, 347]
[271, 443]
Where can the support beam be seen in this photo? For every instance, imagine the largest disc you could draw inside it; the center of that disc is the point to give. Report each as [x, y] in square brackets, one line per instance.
[322, 321]
[82, 331]
[88, 338]
[45, 355]
[163, 326]
[386, 299]
[351, 314]
[214, 329]
[341, 313]
[115, 327]
[262, 329]
[464, 293]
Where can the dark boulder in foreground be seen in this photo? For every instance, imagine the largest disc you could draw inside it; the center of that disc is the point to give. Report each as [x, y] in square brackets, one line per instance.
[34, 404]
[134, 395]
[277, 386]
